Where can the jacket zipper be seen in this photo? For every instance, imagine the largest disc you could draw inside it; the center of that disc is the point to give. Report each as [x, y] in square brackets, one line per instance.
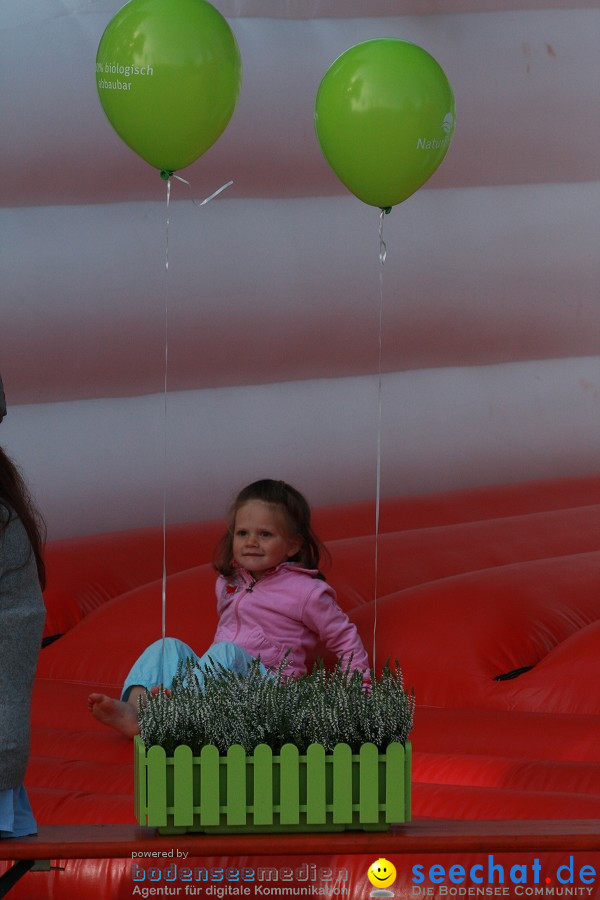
[248, 588]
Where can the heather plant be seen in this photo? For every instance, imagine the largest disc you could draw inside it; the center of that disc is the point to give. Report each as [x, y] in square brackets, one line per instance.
[325, 707]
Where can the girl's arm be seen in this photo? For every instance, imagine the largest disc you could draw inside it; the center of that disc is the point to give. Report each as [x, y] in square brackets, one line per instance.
[340, 636]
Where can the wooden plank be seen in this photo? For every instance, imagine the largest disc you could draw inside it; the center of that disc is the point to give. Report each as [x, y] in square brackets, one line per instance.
[263, 785]
[157, 786]
[395, 801]
[420, 836]
[368, 779]
[210, 813]
[342, 784]
[140, 795]
[183, 787]
[236, 785]
[408, 779]
[289, 776]
[316, 811]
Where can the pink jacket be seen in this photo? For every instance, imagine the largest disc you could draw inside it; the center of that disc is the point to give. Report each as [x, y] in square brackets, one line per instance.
[287, 609]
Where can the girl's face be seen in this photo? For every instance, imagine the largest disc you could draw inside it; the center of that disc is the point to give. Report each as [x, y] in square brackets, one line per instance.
[260, 538]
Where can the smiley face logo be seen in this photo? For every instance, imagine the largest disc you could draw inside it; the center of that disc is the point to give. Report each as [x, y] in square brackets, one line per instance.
[382, 873]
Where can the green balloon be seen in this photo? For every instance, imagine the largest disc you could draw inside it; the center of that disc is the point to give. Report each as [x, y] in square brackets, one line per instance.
[384, 117]
[168, 74]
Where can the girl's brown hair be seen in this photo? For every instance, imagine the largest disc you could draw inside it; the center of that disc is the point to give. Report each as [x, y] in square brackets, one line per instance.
[15, 499]
[297, 516]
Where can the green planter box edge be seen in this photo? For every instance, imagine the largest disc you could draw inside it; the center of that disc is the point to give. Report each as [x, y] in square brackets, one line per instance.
[272, 791]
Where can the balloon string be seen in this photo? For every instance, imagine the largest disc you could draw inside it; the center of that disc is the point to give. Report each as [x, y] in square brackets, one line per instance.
[165, 432]
[206, 200]
[382, 258]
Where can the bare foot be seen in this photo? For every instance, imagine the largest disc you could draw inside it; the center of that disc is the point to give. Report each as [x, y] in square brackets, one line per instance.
[116, 714]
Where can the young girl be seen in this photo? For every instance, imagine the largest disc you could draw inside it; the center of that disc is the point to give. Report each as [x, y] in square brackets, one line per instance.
[22, 616]
[271, 600]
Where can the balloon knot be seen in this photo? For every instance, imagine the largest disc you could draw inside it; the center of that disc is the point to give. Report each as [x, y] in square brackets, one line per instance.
[386, 209]
[165, 174]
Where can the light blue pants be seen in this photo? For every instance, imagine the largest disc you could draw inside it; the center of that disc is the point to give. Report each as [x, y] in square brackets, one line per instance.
[156, 666]
[16, 816]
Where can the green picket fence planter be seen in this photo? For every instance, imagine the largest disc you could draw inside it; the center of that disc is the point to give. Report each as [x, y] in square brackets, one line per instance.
[267, 791]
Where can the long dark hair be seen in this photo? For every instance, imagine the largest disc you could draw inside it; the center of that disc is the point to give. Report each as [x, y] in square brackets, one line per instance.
[297, 516]
[16, 500]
